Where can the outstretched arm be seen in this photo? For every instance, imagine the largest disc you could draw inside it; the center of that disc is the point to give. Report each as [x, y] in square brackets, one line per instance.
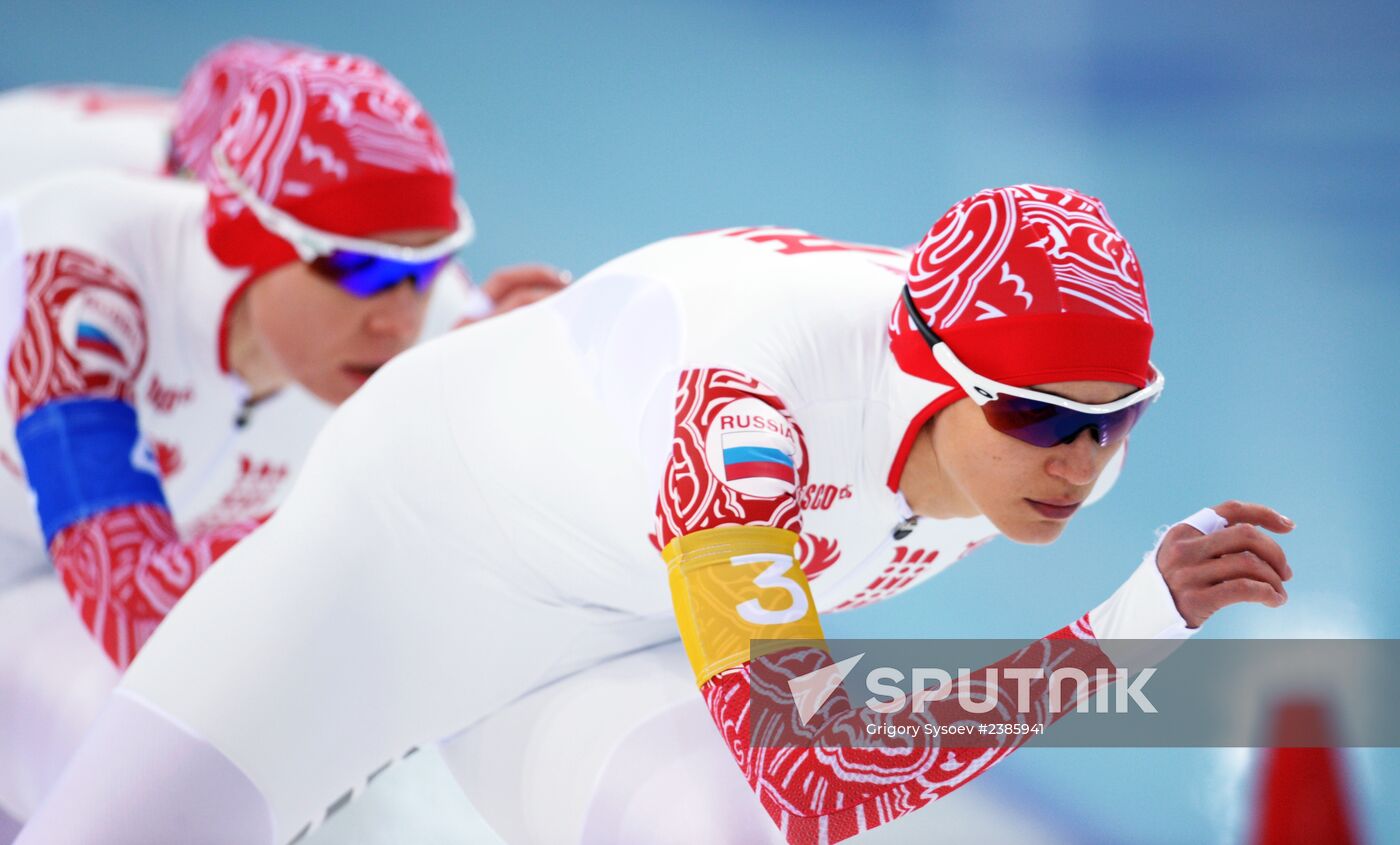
[728, 523]
[71, 386]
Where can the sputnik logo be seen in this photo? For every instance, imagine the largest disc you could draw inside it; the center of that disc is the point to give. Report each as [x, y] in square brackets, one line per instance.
[810, 691]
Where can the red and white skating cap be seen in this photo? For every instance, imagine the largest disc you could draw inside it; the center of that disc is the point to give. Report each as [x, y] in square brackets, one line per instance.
[336, 142]
[1027, 284]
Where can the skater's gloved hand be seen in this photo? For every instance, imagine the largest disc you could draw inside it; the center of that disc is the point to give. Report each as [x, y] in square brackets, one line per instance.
[1215, 559]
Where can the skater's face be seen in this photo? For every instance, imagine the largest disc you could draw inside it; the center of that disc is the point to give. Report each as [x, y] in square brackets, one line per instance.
[961, 466]
[325, 337]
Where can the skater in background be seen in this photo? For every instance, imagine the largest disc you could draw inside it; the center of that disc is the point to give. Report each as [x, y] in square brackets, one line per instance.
[165, 339]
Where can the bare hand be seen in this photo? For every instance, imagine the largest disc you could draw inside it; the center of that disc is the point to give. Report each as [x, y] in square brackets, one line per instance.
[512, 287]
[1237, 564]
[523, 284]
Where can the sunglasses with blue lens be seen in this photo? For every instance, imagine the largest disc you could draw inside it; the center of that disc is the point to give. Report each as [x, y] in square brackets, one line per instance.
[361, 266]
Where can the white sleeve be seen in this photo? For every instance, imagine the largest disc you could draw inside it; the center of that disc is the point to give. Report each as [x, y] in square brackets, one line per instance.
[1143, 608]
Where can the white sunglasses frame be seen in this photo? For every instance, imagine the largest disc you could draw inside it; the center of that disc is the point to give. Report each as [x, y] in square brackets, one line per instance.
[311, 243]
[983, 390]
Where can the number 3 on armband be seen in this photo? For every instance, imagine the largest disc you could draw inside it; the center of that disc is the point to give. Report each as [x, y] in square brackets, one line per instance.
[775, 576]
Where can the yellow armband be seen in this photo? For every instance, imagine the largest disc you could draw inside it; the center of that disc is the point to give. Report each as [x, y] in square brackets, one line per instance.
[733, 584]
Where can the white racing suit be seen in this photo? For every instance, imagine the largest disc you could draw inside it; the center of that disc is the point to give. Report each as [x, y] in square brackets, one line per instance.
[462, 536]
[55, 129]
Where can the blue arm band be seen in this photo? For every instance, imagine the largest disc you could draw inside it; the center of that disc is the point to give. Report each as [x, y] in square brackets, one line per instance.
[83, 457]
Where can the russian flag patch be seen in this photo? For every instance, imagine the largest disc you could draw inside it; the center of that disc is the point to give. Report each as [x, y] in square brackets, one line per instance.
[757, 454]
[92, 339]
[752, 448]
[105, 330]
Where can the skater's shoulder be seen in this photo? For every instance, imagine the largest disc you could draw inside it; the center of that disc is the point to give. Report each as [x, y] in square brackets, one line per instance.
[91, 197]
